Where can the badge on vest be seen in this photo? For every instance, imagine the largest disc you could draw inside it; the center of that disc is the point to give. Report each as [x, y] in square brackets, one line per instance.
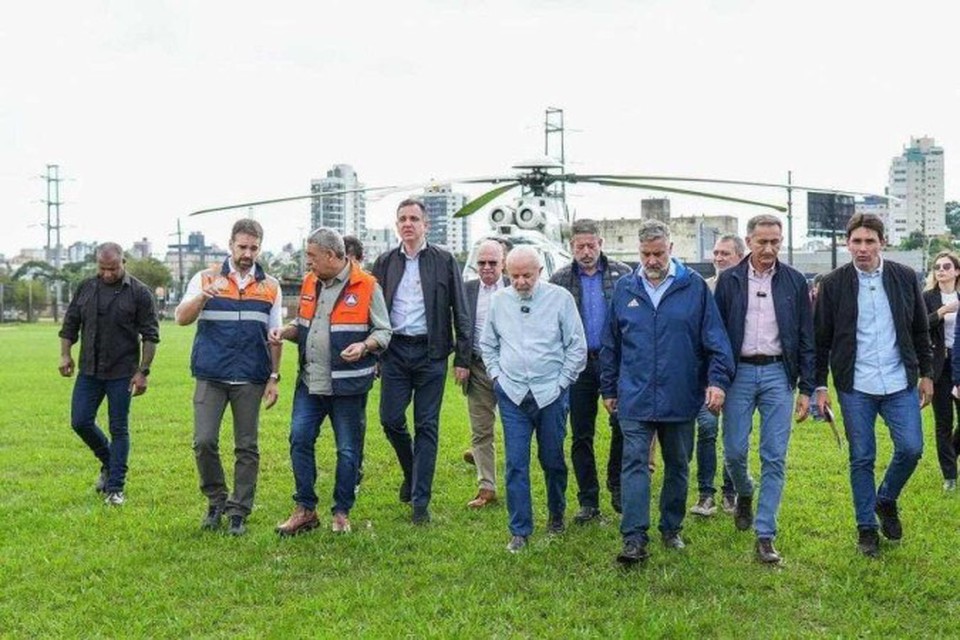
[351, 300]
[221, 283]
[633, 303]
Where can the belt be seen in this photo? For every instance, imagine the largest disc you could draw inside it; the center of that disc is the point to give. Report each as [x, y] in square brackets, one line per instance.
[760, 361]
[421, 339]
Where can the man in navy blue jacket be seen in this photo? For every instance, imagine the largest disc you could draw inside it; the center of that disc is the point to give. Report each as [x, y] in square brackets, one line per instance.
[664, 354]
[765, 306]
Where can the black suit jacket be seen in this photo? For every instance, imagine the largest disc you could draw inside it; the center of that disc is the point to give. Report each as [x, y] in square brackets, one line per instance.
[835, 323]
[443, 297]
[472, 289]
[937, 339]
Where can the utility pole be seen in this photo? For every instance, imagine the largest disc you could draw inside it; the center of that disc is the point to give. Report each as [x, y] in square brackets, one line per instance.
[789, 218]
[179, 235]
[553, 126]
[53, 202]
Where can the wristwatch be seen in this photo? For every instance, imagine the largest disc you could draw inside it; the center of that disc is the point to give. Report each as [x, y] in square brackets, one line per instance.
[145, 371]
[275, 377]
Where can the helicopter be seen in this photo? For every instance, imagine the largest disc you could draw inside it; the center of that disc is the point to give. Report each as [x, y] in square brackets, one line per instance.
[539, 216]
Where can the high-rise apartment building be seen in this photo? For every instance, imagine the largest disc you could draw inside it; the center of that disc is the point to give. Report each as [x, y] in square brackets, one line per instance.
[443, 229]
[344, 212]
[916, 181]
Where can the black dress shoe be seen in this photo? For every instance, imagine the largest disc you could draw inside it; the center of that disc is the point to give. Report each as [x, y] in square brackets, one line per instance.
[766, 553]
[672, 540]
[405, 491]
[890, 525]
[555, 524]
[743, 516]
[586, 514]
[237, 526]
[421, 515]
[211, 521]
[868, 542]
[633, 552]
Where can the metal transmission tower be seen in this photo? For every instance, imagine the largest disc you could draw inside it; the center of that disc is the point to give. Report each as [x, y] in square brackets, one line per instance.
[53, 179]
[553, 127]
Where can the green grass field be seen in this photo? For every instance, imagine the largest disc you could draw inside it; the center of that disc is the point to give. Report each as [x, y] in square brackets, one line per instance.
[70, 566]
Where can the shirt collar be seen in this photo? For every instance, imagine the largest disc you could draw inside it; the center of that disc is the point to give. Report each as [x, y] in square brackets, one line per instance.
[756, 274]
[496, 286]
[671, 273]
[403, 250]
[874, 274]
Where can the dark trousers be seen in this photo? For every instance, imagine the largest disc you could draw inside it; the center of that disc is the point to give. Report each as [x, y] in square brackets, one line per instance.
[88, 394]
[406, 371]
[584, 395]
[946, 410]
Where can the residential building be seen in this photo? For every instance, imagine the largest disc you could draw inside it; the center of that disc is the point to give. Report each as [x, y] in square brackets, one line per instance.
[693, 237]
[442, 228]
[916, 182]
[343, 212]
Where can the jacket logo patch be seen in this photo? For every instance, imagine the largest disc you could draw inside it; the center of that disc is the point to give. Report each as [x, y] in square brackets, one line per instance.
[633, 303]
[351, 300]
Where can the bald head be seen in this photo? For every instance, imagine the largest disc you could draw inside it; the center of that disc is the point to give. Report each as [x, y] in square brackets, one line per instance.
[110, 262]
[523, 267]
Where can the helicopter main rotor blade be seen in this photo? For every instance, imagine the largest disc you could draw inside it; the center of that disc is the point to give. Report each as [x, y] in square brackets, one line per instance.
[572, 177]
[319, 194]
[699, 194]
[477, 203]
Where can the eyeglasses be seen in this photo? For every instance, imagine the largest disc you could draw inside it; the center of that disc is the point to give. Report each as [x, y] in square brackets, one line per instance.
[487, 263]
[946, 266]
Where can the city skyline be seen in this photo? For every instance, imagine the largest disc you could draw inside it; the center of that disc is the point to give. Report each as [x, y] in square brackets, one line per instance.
[156, 110]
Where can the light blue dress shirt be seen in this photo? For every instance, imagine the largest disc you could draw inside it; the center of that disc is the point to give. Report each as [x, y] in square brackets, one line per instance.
[656, 292]
[879, 369]
[409, 313]
[534, 344]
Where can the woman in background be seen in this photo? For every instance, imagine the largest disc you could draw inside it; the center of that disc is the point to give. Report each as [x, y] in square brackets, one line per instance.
[941, 298]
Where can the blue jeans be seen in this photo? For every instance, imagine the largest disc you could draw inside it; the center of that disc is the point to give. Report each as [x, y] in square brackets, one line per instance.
[676, 446]
[88, 394]
[764, 388]
[309, 411]
[708, 427]
[901, 412]
[406, 371]
[519, 424]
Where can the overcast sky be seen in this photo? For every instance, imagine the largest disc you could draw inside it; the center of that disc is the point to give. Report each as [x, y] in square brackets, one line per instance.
[154, 109]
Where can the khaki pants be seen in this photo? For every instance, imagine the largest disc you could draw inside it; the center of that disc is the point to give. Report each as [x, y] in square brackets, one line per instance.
[209, 404]
[482, 404]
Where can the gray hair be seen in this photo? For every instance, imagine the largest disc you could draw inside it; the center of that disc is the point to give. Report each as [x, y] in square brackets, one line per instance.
[525, 251]
[763, 220]
[247, 226]
[328, 239]
[585, 226]
[739, 246]
[490, 242]
[109, 250]
[653, 230]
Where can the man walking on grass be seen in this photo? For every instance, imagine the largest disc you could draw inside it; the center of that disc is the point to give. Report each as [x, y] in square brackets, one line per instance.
[342, 322]
[765, 306]
[533, 348]
[114, 317]
[872, 334]
[234, 306]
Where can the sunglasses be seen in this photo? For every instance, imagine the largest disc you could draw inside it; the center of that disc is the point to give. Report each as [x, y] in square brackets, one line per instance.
[946, 266]
[487, 263]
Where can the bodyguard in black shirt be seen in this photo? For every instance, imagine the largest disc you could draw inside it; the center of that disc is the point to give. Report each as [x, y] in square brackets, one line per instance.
[110, 314]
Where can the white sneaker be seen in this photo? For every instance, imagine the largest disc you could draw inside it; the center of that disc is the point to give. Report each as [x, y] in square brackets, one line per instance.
[705, 506]
[950, 485]
[114, 499]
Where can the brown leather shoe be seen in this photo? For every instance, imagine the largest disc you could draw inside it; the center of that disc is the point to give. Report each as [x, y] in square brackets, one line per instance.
[484, 497]
[468, 457]
[300, 521]
[340, 523]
